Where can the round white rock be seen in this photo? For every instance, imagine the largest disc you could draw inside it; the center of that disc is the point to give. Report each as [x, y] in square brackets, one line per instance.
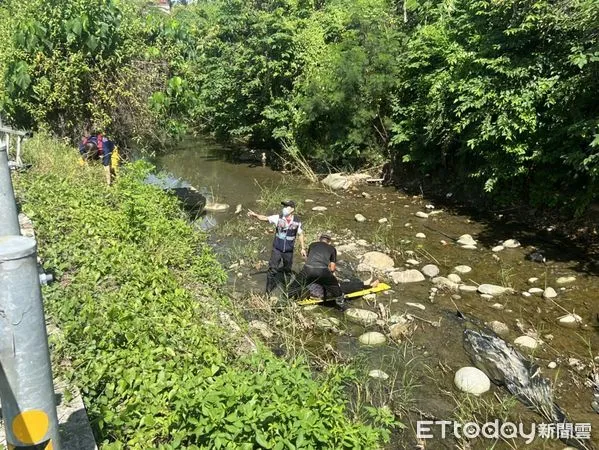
[472, 380]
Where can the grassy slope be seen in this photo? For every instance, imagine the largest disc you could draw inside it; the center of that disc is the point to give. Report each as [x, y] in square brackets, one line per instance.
[137, 302]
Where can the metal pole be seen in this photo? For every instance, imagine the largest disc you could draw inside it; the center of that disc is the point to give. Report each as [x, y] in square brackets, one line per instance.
[26, 387]
[9, 219]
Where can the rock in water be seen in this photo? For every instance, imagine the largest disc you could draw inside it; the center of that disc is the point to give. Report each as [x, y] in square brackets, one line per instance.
[407, 276]
[549, 293]
[422, 215]
[467, 288]
[360, 218]
[533, 280]
[499, 328]
[361, 316]
[216, 207]
[337, 181]
[565, 280]
[466, 239]
[325, 323]
[443, 282]
[526, 342]
[472, 380]
[455, 278]
[570, 321]
[319, 208]
[416, 305]
[376, 261]
[366, 195]
[372, 338]
[421, 235]
[238, 209]
[536, 291]
[378, 374]
[511, 243]
[430, 270]
[383, 220]
[462, 269]
[491, 289]
[497, 248]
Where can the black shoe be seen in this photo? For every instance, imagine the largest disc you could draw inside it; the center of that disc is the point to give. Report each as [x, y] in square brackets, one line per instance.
[341, 304]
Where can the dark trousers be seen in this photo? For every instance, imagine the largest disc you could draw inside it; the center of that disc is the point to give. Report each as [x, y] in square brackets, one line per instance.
[347, 287]
[324, 277]
[273, 267]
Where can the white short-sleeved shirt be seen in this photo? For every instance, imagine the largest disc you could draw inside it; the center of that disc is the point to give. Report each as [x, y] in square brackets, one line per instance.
[274, 219]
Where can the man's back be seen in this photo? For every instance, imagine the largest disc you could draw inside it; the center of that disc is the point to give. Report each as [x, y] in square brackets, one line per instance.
[320, 255]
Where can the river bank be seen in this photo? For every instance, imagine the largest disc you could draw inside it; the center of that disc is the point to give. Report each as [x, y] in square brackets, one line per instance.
[159, 353]
[403, 228]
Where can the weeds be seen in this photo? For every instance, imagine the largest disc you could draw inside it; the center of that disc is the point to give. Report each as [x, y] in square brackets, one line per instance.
[271, 196]
[506, 273]
[480, 410]
[300, 163]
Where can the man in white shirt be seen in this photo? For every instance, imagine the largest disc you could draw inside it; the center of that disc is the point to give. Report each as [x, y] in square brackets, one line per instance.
[288, 228]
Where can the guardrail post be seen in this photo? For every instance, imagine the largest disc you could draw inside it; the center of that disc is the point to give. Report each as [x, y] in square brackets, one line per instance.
[26, 387]
[18, 155]
[9, 219]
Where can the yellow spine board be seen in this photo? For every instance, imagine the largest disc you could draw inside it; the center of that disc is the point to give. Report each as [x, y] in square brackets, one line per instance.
[379, 288]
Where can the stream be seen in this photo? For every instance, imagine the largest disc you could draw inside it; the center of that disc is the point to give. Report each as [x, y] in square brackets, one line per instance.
[423, 366]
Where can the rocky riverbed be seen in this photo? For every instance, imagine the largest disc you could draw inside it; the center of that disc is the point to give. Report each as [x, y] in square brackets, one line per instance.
[534, 291]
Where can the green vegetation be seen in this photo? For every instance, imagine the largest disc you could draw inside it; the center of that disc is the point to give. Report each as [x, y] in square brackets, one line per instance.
[137, 304]
[500, 98]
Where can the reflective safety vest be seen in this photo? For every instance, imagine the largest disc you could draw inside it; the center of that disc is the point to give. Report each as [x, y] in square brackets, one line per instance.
[286, 233]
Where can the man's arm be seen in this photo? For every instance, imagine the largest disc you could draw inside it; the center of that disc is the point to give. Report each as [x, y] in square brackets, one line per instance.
[333, 263]
[257, 216]
[302, 244]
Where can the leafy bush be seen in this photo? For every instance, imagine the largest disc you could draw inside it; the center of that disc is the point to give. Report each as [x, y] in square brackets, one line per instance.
[138, 311]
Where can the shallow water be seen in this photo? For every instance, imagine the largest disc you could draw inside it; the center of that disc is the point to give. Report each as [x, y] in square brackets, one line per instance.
[209, 167]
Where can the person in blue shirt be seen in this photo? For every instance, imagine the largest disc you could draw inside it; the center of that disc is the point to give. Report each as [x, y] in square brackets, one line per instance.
[98, 147]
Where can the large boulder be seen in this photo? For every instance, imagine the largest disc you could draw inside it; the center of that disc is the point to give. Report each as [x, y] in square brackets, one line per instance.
[375, 261]
[337, 181]
[192, 200]
[472, 380]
